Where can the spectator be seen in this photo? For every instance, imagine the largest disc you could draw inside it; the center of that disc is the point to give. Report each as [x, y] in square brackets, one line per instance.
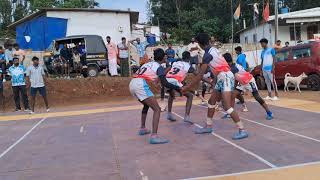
[267, 68]
[241, 59]
[180, 50]
[287, 44]
[141, 49]
[77, 63]
[2, 63]
[112, 56]
[19, 53]
[124, 57]
[170, 54]
[17, 71]
[193, 48]
[277, 46]
[36, 76]
[66, 58]
[9, 54]
[1, 93]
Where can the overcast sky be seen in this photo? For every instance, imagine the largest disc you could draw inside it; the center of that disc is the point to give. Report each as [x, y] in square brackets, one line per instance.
[137, 5]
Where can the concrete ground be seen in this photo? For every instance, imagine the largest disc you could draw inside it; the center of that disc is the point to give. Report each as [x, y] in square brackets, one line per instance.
[101, 142]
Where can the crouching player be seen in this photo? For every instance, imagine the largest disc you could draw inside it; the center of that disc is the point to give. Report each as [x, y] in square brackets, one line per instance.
[176, 76]
[246, 83]
[150, 72]
[224, 86]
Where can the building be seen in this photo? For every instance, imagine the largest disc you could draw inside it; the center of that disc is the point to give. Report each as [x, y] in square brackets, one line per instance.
[293, 26]
[37, 30]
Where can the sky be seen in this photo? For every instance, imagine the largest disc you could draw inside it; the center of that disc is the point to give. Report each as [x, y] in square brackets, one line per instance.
[136, 5]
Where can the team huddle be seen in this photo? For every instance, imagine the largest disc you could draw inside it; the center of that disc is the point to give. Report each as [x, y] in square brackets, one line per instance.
[229, 81]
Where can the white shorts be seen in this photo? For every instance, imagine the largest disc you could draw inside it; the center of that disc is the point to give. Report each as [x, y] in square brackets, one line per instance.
[225, 82]
[140, 89]
[251, 86]
[174, 82]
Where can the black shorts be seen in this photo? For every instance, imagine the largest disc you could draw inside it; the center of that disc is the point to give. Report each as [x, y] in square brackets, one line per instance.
[42, 91]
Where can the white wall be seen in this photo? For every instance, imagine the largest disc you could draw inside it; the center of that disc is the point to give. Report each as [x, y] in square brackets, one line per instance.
[263, 31]
[96, 23]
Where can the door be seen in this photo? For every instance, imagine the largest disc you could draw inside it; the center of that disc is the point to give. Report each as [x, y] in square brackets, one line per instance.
[281, 65]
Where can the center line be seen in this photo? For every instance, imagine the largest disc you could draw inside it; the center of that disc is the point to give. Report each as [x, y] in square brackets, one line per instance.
[237, 146]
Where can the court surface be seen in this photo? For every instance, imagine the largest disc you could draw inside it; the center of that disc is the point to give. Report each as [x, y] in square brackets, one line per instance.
[100, 143]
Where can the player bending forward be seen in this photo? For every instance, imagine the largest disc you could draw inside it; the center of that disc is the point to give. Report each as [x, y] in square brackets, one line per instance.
[176, 76]
[224, 86]
[246, 82]
[150, 72]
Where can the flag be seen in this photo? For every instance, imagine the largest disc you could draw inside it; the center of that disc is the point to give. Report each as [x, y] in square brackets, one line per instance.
[237, 13]
[266, 12]
[255, 8]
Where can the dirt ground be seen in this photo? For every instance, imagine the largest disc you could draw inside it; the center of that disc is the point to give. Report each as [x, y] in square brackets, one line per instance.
[107, 90]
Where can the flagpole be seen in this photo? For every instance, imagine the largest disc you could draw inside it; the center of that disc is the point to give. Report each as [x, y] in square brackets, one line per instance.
[231, 26]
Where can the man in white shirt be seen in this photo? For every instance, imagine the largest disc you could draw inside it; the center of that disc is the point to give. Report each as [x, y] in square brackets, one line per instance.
[124, 57]
[193, 48]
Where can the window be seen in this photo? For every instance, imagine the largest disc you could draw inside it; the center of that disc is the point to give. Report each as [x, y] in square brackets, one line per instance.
[301, 53]
[298, 33]
[255, 38]
[246, 40]
[311, 30]
[282, 56]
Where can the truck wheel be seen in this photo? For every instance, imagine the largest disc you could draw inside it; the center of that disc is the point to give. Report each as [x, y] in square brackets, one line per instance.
[314, 82]
[92, 71]
[260, 83]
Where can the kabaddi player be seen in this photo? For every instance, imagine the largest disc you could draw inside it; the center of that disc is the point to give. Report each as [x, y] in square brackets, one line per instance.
[224, 87]
[246, 83]
[176, 76]
[150, 72]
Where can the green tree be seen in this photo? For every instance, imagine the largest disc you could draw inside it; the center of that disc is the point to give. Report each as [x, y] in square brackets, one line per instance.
[79, 4]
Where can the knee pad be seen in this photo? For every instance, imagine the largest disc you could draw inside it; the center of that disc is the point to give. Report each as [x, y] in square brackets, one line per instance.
[258, 98]
[230, 111]
[214, 106]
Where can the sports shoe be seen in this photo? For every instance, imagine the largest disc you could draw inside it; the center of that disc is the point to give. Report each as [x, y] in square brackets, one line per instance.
[245, 109]
[170, 117]
[275, 98]
[17, 110]
[187, 119]
[226, 116]
[48, 110]
[269, 116]
[204, 130]
[163, 106]
[27, 110]
[31, 112]
[240, 135]
[144, 131]
[268, 98]
[155, 139]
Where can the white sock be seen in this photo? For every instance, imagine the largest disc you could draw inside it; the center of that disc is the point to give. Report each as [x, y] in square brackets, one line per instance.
[240, 125]
[209, 121]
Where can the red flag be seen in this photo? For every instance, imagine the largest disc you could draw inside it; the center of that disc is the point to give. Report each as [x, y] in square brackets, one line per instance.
[266, 12]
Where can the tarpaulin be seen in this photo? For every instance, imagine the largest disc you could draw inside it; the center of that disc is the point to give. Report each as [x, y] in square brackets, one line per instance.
[42, 31]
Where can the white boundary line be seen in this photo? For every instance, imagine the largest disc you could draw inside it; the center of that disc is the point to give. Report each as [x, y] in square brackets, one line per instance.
[21, 138]
[237, 146]
[256, 171]
[278, 129]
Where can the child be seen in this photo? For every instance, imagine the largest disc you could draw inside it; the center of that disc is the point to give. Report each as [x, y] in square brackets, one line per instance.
[150, 72]
[246, 82]
[35, 74]
[223, 87]
[176, 76]
[76, 63]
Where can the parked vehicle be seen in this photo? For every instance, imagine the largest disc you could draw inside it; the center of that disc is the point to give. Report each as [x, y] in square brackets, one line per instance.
[295, 60]
[93, 61]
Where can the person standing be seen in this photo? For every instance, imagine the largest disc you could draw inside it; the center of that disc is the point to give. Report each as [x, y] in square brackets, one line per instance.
[241, 59]
[2, 63]
[277, 46]
[9, 55]
[112, 56]
[141, 49]
[19, 53]
[124, 57]
[193, 48]
[66, 58]
[170, 54]
[181, 49]
[36, 76]
[267, 68]
[17, 71]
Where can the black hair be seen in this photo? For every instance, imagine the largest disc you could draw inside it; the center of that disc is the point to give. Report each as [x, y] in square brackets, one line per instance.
[239, 48]
[35, 58]
[203, 39]
[278, 41]
[123, 38]
[169, 43]
[15, 58]
[1, 47]
[158, 54]
[186, 55]
[108, 37]
[228, 57]
[15, 44]
[264, 40]
[287, 42]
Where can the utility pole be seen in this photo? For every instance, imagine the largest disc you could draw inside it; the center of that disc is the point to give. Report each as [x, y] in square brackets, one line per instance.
[276, 20]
